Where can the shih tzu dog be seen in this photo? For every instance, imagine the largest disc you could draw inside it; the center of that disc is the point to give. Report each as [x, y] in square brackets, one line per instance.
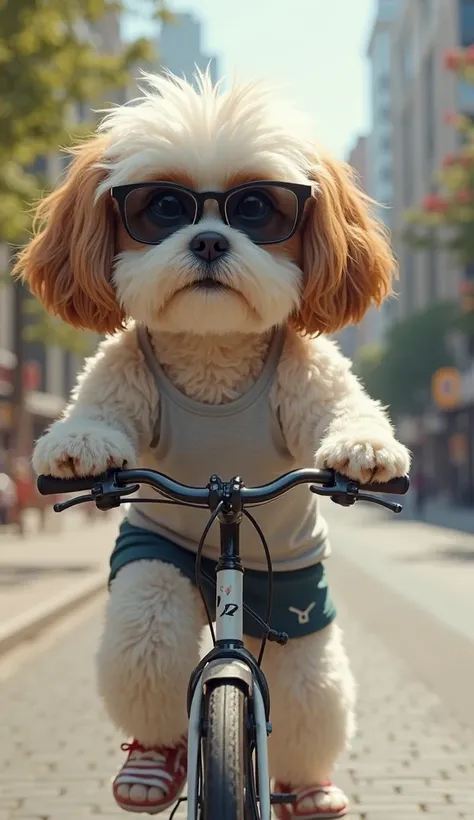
[216, 248]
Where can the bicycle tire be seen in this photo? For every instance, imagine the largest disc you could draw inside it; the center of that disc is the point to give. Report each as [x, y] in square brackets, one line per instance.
[225, 753]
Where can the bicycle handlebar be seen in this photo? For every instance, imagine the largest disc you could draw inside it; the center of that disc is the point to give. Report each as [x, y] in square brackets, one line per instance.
[49, 485]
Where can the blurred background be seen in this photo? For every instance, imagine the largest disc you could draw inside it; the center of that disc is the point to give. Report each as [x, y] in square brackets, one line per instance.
[388, 86]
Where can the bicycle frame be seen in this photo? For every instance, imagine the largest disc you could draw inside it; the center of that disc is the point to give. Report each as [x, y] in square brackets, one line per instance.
[224, 664]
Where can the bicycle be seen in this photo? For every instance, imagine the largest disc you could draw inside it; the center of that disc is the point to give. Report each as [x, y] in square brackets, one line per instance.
[228, 697]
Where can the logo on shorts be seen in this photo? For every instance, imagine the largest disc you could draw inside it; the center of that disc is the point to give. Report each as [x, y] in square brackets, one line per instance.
[303, 614]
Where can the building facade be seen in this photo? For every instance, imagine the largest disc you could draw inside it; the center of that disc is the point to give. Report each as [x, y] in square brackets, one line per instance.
[351, 338]
[423, 92]
[372, 158]
[380, 148]
[180, 48]
[379, 152]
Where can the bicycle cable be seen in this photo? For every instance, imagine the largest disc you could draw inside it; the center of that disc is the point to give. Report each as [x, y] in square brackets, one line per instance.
[200, 573]
[269, 583]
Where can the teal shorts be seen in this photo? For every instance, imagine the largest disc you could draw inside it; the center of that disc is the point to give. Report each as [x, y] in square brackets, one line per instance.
[301, 600]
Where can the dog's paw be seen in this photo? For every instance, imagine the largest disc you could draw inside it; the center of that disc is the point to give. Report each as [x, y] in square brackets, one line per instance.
[66, 453]
[364, 458]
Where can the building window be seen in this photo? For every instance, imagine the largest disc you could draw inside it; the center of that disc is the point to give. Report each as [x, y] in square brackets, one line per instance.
[426, 9]
[466, 22]
[465, 96]
[386, 174]
[384, 82]
[35, 351]
[407, 156]
[385, 143]
[429, 98]
[408, 57]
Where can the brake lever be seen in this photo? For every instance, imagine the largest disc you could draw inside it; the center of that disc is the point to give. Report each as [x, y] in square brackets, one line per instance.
[71, 502]
[393, 506]
[346, 492]
[106, 494]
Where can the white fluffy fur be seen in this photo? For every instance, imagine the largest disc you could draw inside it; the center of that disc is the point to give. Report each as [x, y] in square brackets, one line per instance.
[313, 697]
[207, 134]
[149, 648]
[263, 291]
[213, 346]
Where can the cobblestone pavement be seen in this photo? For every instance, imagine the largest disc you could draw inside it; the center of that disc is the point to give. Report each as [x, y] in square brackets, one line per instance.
[58, 753]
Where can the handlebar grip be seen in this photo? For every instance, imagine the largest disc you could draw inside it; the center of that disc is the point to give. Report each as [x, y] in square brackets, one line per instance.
[396, 486]
[50, 485]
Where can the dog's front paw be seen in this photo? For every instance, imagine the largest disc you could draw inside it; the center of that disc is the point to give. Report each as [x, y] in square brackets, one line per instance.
[364, 458]
[67, 453]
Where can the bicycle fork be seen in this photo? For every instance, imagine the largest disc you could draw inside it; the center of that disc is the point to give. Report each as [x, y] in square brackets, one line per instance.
[225, 664]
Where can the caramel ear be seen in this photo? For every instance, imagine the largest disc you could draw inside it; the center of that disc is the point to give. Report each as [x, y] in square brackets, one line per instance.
[348, 265]
[68, 264]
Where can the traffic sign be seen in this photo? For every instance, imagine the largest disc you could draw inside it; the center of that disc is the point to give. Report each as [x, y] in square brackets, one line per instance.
[446, 387]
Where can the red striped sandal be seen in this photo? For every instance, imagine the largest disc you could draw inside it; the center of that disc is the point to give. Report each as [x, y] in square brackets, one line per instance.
[151, 779]
[314, 803]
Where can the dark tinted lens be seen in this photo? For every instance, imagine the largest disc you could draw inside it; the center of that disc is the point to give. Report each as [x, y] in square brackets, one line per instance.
[155, 212]
[266, 213]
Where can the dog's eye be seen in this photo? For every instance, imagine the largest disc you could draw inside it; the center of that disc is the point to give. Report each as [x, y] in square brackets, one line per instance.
[166, 206]
[254, 208]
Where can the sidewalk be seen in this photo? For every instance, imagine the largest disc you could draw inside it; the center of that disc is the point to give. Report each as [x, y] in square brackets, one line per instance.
[37, 569]
[440, 514]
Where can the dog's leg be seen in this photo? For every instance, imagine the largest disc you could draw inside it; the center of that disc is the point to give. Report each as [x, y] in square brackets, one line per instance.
[149, 648]
[312, 712]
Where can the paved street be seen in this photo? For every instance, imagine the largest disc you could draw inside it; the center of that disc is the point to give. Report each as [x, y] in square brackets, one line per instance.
[414, 754]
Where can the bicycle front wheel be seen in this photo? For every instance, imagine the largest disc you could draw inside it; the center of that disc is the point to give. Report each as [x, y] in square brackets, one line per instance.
[225, 753]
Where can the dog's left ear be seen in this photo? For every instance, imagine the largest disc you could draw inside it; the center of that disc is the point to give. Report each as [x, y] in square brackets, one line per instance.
[348, 265]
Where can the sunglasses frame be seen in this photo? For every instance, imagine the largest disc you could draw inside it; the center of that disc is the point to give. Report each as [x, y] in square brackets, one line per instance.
[301, 192]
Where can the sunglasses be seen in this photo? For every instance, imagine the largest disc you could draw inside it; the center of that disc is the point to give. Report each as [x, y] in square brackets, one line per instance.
[267, 212]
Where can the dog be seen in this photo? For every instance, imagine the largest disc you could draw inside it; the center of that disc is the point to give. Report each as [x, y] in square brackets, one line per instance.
[217, 249]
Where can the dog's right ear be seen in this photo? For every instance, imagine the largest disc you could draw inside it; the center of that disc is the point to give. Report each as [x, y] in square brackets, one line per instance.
[68, 264]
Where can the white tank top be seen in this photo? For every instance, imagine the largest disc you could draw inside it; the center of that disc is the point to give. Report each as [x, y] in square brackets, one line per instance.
[193, 441]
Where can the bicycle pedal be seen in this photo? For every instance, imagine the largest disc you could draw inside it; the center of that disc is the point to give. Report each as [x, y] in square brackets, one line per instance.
[276, 799]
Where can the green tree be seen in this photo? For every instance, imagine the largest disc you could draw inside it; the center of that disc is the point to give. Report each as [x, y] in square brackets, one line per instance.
[399, 372]
[445, 220]
[49, 66]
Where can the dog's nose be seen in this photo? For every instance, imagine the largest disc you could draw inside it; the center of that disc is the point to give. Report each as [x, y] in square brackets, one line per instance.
[209, 245]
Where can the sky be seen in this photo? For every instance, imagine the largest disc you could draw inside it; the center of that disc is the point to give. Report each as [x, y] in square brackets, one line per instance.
[313, 49]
